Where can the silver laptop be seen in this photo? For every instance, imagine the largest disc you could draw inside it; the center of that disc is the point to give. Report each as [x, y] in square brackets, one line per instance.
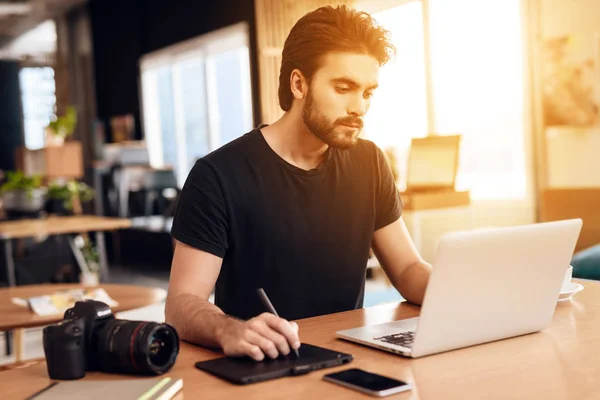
[485, 285]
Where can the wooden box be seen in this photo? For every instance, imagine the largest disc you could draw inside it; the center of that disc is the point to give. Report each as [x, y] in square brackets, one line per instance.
[432, 169]
[64, 161]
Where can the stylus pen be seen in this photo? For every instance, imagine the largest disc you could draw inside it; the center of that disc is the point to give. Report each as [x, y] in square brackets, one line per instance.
[267, 303]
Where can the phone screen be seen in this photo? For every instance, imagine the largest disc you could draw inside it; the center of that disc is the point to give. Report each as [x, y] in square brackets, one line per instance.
[366, 380]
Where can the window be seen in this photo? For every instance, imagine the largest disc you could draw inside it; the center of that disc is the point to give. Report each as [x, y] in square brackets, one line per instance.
[196, 97]
[38, 98]
[477, 80]
[476, 83]
[399, 108]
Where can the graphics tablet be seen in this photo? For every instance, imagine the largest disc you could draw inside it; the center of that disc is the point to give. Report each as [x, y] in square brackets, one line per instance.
[244, 370]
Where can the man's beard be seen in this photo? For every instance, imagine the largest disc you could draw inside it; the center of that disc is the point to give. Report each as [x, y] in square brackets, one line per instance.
[318, 124]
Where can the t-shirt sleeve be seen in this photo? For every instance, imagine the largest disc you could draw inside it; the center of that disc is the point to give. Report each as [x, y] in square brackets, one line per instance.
[388, 202]
[201, 215]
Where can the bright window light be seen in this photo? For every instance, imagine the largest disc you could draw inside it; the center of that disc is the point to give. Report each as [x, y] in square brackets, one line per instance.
[477, 71]
[477, 85]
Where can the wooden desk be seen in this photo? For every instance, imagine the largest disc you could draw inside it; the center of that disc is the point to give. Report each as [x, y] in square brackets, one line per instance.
[559, 363]
[41, 228]
[13, 316]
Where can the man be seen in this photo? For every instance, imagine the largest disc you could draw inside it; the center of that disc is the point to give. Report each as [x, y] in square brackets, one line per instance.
[294, 207]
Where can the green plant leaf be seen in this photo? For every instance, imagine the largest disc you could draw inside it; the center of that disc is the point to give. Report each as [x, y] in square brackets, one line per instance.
[17, 180]
[64, 125]
[67, 191]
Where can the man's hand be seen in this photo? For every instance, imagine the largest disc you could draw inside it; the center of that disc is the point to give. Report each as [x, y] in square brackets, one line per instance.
[266, 334]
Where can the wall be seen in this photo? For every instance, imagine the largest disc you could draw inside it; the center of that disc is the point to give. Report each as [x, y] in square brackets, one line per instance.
[571, 154]
[11, 125]
[74, 75]
[123, 31]
[573, 157]
[117, 45]
[561, 17]
[568, 160]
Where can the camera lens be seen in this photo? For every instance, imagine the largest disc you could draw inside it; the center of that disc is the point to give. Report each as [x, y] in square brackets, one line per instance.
[159, 347]
[136, 347]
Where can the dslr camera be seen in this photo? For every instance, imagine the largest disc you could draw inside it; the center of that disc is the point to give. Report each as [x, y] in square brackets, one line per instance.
[90, 338]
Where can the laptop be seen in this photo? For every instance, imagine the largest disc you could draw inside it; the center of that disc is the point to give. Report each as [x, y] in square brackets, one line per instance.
[485, 285]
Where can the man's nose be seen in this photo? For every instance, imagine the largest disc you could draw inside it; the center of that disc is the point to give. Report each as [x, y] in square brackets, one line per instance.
[358, 107]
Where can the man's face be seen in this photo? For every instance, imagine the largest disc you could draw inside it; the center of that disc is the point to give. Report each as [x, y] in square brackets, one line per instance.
[339, 96]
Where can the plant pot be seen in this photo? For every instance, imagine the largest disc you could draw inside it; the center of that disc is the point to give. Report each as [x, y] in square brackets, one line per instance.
[57, 207]
[89, 278]
[20, 200]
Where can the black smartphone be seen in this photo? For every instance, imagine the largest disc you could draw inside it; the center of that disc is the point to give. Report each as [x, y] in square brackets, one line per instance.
[367, 382]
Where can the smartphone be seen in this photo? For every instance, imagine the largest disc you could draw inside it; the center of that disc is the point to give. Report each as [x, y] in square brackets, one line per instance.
[367, 382]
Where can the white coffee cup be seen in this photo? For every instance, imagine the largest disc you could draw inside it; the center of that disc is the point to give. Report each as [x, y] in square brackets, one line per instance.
[567, 279]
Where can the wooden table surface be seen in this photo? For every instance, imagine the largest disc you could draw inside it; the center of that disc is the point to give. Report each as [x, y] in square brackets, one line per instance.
[559, 363]
[13, 316]
[56, 225]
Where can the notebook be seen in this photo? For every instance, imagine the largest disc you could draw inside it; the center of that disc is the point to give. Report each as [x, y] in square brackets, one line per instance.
[59, 302]
[129, 389]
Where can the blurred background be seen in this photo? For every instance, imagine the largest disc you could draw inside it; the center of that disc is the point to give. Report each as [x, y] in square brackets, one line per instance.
[488, 114]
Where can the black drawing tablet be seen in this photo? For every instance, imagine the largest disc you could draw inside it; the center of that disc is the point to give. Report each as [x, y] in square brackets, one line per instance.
[245, 370]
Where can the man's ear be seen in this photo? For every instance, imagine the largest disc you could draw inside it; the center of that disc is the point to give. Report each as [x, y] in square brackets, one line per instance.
[298, 84]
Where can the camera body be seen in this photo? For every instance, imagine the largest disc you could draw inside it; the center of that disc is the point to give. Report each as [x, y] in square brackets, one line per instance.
[65, 342]
[90, 338]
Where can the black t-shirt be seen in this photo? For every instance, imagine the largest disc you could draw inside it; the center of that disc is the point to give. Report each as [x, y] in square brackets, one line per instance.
[303, 236]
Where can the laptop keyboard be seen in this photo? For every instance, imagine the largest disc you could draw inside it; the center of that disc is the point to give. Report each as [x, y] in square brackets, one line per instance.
[404, 339]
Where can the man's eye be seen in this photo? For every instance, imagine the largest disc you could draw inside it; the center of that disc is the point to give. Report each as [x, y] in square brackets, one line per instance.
[368, 95]
[341, 89]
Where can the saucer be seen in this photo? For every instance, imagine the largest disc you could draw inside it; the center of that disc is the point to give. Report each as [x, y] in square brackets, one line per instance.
[570, 291]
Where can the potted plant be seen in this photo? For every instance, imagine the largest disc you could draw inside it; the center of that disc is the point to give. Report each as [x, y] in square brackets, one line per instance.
[62, 196]
[61, 128]
[22, 193]
[90, 270]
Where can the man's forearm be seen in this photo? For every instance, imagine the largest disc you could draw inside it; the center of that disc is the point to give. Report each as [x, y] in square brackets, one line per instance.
[196, 320]
[413, 282]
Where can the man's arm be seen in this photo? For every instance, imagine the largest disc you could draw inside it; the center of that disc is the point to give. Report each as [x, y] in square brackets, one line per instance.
[401, 262]
[193, 276]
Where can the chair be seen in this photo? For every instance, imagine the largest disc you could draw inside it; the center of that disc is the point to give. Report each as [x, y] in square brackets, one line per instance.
[129, 178]
[586, 263]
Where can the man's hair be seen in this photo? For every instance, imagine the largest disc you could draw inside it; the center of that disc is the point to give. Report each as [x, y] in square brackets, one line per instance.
[326, 30]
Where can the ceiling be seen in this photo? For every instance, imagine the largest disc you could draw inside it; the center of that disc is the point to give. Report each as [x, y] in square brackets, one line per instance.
[20, 16]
